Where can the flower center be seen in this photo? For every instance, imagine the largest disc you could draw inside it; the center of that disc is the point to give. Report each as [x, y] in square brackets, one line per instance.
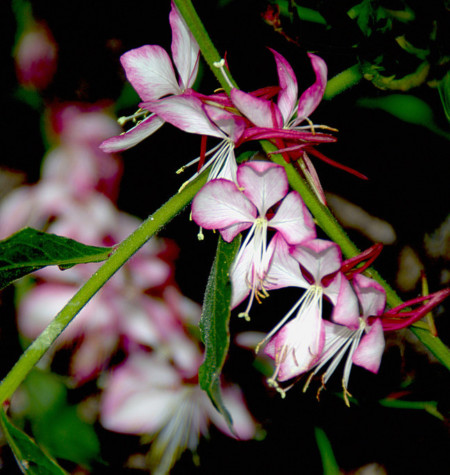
[255, 256]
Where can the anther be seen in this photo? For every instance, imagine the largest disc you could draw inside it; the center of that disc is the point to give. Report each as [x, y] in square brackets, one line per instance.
[220, 65]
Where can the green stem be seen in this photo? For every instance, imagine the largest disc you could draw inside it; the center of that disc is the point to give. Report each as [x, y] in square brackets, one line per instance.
[207, 47]
[322, 214]
[123, 252]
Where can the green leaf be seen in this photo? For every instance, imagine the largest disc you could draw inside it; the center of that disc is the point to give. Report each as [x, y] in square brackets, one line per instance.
[56, 424]
[428, 406]
[30, 458]
[329, 462]
[214, 323]
[407, 108]
[66, 436]
[444, 94]
[29, 250]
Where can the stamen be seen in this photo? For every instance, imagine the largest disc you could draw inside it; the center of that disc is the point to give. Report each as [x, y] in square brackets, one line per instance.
[308, 381]
[139, 113]
[273, 384]
[220, 65]
[346, 394]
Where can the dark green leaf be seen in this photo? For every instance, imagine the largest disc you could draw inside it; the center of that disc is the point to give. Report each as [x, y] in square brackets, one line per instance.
[428, 406]
[66, 436]
[407, 108]
[214, 323]
[31, 459]
[29, 250]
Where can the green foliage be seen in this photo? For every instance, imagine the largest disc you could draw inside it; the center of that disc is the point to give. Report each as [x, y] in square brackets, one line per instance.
[428, 406]
[329, 463]
[30, 250]
[214, 323]
[444, 94]
[30, 457]
[55, 423]
[405, 107]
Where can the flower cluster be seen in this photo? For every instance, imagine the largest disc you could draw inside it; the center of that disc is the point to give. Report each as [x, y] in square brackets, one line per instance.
[234, 119]
[303, 339]
[255, 197]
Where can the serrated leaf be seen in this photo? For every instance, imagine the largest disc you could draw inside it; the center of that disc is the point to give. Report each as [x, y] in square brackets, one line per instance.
[214, 324]
[29, 250]
[30, 458]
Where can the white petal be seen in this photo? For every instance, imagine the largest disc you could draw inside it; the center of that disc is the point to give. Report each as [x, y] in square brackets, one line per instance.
[150, 71]
[133, 136]
[220, 205]
[263, 183]
[293, 220]
[370, 349]
[185, 112]
[319, 257]
[185, 50]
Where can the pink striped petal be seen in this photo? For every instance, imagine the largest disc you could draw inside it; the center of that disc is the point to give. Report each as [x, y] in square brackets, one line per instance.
[320, 258]
[301, 340]
[220, 205]
[263, 183]
[311, 98]
[231, 124]
[284, 270]
[185, 112]
[287, 97]
[370, 350]
[371, 295]
[293, 220]
[150, 71]
[133, 136]
[346, 307]
[239, 278]
[185, 50]
[261, 112]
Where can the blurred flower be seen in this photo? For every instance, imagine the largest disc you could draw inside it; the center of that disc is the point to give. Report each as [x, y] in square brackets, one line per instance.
[36, 56]
[147, 395]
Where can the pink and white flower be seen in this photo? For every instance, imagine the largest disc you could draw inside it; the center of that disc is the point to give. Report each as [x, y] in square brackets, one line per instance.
[232, 208]
[280, 122]
[361, 339]
[191, 114]
[151, 73]
[297, 345]
[289, 111]
[147, 395]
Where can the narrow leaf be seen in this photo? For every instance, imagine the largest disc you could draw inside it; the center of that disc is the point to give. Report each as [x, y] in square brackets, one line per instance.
[29, 250]
[30, 458]
[214, 324]
[329, 462]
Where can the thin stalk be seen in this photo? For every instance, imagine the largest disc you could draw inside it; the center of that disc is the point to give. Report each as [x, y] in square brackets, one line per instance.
[124, 251]
[207, 47]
